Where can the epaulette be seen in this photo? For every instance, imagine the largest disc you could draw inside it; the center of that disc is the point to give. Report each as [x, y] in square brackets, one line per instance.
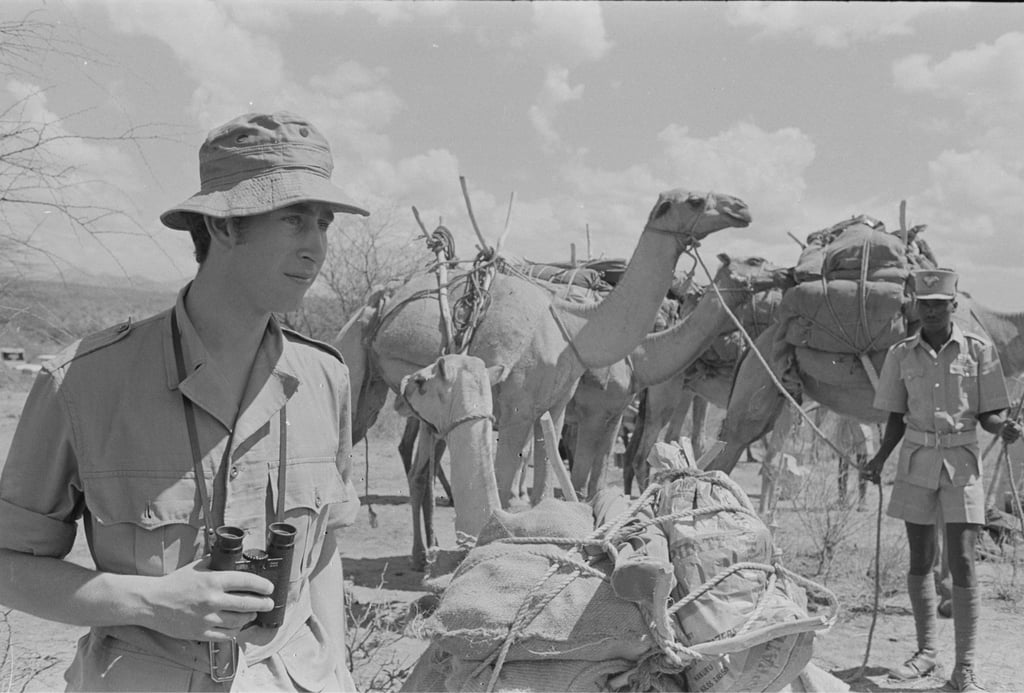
[978, 337]
[90, 343]
[322, 346]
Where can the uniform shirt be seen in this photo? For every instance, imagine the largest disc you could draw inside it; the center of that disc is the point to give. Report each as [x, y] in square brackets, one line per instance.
[103, 437]
[941, 393]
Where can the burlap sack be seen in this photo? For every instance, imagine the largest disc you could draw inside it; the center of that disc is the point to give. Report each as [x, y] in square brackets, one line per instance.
[839, 370]
[551, 517]
[702, 544]
[843, 317]
[770, 665]
[552, 675]
[860, 244]
[559, 611]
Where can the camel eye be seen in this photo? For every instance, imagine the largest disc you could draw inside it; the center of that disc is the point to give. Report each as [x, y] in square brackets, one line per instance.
[695, 201]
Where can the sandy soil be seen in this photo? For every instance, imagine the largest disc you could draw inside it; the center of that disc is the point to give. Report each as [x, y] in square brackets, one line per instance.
[35, 653]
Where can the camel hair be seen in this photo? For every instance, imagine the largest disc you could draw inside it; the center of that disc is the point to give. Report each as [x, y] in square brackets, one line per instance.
[755, 402]
[453, 397]
[546, 343]
[603, 395]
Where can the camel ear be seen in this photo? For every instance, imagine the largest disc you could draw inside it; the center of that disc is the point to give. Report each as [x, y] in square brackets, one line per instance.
[497, 374]
[724, 258]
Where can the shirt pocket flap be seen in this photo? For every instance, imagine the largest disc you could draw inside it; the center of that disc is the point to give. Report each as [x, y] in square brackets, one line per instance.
[146, 501]
[313, 485]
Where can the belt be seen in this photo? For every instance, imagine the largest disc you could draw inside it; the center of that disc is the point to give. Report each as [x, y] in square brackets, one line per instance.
[941, 440]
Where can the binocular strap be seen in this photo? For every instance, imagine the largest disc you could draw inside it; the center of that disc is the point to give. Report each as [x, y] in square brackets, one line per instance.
[197, 456]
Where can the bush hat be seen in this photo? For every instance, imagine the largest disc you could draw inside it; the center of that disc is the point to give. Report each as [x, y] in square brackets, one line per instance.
[260, 162]
[934, 284]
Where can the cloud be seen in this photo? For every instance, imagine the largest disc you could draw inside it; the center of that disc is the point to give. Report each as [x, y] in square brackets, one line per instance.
[555, 93]
[832, 24]
[988, 80]
[569, 33]
[766, 169]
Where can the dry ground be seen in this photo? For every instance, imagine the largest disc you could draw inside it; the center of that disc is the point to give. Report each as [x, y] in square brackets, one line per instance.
[385, 591]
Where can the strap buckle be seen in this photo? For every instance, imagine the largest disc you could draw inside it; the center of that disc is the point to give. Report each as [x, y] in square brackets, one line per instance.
[223, 661]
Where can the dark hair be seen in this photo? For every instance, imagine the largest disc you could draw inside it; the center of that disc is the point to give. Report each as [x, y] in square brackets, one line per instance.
[201, 235]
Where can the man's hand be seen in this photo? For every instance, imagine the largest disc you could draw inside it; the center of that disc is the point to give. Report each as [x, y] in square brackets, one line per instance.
[195, 603]
[872, 471]
[1010, 431]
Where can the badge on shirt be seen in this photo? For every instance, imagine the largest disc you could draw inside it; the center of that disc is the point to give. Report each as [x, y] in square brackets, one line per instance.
[963, 365]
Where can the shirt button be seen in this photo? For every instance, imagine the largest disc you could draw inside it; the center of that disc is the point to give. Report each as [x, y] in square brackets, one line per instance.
[316, 501]
[234, 471]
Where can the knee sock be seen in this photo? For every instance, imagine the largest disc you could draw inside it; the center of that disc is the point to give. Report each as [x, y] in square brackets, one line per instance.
[921, 590]
[966, 605]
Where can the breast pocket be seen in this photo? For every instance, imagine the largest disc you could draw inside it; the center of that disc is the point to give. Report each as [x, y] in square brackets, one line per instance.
[963, 375]
[142, 523]
[919, 393]
[312, 486]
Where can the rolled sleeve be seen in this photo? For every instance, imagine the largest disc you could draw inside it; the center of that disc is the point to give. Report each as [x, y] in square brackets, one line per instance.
[992, 394]
[40, 492]
[891, 393]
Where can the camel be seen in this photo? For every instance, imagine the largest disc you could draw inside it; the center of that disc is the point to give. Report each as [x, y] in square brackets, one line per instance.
[603, 394]
[546, 343]
[708, 380]
[453, 396]
[755, 402]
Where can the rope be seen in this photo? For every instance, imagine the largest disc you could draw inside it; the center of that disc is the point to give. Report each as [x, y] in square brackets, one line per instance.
[671, 656]
[753, 348]
[878, 583]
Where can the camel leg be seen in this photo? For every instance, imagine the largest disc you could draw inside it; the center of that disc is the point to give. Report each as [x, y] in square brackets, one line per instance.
[418, 478]
[509, 457]
[754, 405]
[406, 445]
[542, 487]
[698, 414]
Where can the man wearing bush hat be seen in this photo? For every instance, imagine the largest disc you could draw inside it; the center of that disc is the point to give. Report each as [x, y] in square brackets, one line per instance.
[208, 415]
[937, 386]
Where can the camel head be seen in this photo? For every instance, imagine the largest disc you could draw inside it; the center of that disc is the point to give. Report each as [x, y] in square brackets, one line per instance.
[751, 273]
[692, 216]
[454, 389]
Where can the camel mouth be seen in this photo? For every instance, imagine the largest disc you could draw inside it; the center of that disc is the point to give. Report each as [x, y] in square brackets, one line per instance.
[741, 217]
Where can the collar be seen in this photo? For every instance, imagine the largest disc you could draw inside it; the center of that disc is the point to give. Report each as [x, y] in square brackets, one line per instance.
[274, 367]
[957, 336]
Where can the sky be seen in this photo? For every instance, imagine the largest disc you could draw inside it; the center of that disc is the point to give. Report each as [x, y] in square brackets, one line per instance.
[562, 117]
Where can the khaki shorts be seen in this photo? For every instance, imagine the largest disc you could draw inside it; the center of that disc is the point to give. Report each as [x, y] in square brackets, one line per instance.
[923, 506]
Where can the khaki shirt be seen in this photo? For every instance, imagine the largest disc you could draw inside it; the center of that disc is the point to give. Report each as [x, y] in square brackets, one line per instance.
[103, 438]
[941, 395]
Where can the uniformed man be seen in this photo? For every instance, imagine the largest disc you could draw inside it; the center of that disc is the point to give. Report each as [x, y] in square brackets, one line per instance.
[155, 433]
[937, 386]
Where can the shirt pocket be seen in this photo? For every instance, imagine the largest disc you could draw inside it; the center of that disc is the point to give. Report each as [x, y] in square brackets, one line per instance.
[143, 523]
[311, 487]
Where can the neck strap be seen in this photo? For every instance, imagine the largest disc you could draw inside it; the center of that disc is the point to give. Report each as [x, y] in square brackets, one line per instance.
[197, 456]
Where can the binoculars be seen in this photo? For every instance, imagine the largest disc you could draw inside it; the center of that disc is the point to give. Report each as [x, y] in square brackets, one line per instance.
[275, 563]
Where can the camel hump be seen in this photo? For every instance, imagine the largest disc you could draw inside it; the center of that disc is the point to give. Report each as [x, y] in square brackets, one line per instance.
[293, 336]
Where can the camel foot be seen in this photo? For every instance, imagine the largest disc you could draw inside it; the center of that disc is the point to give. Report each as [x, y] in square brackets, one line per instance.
[418, 562]
[443, 502]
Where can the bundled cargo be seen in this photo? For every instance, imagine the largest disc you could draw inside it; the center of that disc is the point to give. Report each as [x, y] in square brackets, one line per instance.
[844, 316]
[679, 590]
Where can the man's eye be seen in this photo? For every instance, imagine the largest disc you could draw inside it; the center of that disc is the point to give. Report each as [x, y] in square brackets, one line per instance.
[324, 225]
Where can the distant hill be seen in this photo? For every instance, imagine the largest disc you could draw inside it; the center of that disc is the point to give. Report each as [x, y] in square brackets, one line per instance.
[42, 316]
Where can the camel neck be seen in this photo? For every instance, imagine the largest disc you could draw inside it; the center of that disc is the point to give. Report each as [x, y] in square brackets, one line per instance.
[471, 446]
[662, 354]
[606, 332]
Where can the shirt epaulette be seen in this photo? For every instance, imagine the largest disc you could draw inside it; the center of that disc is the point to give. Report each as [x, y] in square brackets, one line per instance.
[90, 343]
[322, 346]
[978, 337]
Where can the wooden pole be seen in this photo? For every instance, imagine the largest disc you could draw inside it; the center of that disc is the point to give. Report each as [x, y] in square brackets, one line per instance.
[572, 253]
[589, 256]
[903, 221]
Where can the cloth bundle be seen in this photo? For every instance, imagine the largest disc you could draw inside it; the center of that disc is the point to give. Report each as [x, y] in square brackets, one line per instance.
[532, 607]
[844, 316]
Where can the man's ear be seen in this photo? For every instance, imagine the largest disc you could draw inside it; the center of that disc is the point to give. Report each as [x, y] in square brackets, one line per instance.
[219, 230]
